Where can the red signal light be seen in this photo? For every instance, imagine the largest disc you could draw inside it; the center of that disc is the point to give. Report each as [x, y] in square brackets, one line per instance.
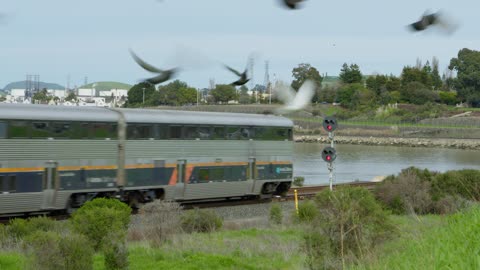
[328, 157]
[329, 127]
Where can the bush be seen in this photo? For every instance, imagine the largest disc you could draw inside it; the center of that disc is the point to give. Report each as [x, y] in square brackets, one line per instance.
[49, 250]
[276, 215]
[450, 204]
[307, 211]
[465, 183]
[408, 192]
[160, 220]
[353, 221]
[319, 252]
[201, 220]
[115, 252]
[20, 228]
[298, 181]
[97, 218]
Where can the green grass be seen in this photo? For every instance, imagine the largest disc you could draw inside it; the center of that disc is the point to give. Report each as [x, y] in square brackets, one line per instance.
[453, 245]
[241, 249]
[12, 261]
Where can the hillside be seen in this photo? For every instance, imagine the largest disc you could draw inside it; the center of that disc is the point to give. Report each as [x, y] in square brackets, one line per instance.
[22, 85]
[105, 86]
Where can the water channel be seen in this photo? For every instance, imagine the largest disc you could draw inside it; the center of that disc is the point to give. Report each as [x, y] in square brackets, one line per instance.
[359, 162]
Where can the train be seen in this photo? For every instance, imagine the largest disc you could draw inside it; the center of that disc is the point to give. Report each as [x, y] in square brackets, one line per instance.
[56, 158]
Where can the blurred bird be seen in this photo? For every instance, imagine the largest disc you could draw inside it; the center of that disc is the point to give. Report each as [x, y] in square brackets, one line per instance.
[432, 19]
[292, 4]
[243, 76]
[163, 75]
[295, 101]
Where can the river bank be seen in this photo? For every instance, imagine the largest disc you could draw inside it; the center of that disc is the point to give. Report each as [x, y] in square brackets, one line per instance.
[470, 144]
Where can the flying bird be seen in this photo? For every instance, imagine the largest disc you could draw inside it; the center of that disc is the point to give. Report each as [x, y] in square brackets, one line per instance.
[292, 4]
[163, 75]
[428, 20]
[243, 76]
[294, 101]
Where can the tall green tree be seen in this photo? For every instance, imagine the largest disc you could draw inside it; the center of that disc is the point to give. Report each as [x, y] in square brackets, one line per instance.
[350, 74]
[303, 72]
[41, 96]
[224, 93]
[243, 97]
[140, 92]
[436, 79]
[467, 83]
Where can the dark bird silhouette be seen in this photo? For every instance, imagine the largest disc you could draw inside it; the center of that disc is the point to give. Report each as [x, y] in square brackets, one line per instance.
[243, 76]
[428, 20]
[163, 75]
[292, 4]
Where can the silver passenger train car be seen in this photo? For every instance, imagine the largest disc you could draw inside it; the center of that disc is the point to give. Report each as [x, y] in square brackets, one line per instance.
[55, 158]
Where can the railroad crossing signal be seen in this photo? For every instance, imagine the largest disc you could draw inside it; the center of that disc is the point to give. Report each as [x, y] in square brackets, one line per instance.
[329, 154]
[330, 123]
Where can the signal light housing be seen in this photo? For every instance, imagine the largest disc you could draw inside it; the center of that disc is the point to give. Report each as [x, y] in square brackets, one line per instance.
[329, 154]
[330, 123]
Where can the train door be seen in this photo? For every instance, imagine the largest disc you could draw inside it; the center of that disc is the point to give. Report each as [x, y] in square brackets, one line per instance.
[252, 172]
[50, 185]
[180, 185]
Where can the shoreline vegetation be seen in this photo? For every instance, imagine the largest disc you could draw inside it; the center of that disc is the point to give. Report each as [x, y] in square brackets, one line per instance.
[466, 144]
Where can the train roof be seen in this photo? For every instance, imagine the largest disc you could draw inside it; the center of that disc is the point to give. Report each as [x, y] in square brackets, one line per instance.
[99, 114]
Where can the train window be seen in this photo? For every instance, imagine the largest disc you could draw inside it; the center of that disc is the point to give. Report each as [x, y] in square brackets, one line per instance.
[204, 133]
[218, 133]
[203, 175]
[247, 133]
[175, 132]
[271, 133]
[139, 132]
[234, 133]
[161, 132]
[290, 134]
[61, 130]
[79, 130]
[217, 174]
[12, 183]
[191, 132]
[19, 129]
[3, 130]
[2, 189]
[103, 130]
[41, 130]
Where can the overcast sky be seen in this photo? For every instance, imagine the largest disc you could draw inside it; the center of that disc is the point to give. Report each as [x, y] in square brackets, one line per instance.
[60, 38]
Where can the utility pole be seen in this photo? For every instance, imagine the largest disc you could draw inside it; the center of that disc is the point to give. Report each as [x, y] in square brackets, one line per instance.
[143, 100]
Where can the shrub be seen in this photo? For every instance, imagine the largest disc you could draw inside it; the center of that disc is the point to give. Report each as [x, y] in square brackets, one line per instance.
[450, 204]
[97, 218]
[18, 228]
[115, 252]
[160, 220]
[318, 250]
[298, 181]
[276, 215]
[307, 211]
[201, 220]
[352, 220]
[408, 192]
[49, 250]
[465, 183]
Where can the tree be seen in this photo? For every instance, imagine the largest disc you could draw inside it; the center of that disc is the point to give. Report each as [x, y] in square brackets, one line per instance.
[350, 74]
[303, 72]
[243, 98]
[467, 83]
[169, 93]
[436, 79]
[137, 95]
[223, 93]
[354, 96]
[71, 97]
[41, 96]
[186, 95]
[417, 93]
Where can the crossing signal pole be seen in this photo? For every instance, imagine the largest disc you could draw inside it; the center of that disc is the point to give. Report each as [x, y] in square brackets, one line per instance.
[329, 154]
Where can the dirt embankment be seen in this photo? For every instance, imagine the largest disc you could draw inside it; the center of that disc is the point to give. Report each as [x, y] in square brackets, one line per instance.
[471, 144]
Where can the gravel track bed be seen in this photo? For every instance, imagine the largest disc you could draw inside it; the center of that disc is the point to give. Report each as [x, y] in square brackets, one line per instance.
[251, 211]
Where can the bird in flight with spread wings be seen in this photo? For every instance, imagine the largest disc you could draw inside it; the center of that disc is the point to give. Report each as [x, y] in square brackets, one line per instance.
[163, 75]
[294, 101]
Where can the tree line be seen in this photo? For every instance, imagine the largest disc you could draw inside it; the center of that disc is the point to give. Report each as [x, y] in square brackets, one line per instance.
[417, 84]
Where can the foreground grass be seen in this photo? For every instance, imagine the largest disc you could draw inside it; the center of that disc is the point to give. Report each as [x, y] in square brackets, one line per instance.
[455, 245]
[277, 248]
